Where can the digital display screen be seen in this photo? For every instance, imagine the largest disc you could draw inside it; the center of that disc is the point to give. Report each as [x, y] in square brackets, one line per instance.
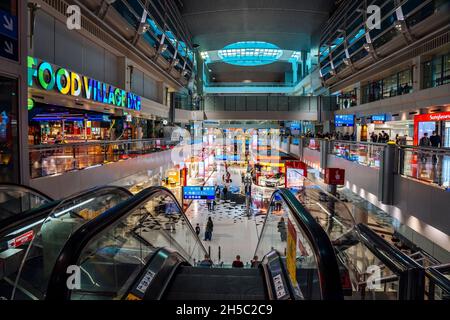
[228, 157]
[344, 120]
[379, 119]
[199, 193]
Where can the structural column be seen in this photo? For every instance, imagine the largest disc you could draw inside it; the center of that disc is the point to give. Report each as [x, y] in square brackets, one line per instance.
[387, 174]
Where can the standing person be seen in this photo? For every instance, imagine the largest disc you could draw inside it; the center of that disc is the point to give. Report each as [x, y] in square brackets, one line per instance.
[424, 142]
[435, 141]
[217, 191]
[282, 229]
[255, 262]
[197, 229]
[380, 138]
[238, 263]
[209, 229]
[206, 262]
[208, 203]
[225, 192]
[385, 137]
[373, 137]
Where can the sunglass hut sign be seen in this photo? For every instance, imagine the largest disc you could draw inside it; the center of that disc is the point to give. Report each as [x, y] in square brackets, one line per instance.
[49, 77]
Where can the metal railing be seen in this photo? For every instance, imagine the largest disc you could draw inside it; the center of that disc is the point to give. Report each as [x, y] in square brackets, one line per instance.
[46, 160]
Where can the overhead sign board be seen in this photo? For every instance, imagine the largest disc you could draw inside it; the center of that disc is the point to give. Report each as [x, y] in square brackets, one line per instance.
[199, 193]
[379, 119]
[46, 76]
[344, 120]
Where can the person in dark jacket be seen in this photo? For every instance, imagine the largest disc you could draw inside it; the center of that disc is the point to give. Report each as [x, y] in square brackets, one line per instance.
[436, 142]
[282, 229]
[197, 229]
[207, 262]
[238, 263]
[209, 229]
[255, 262]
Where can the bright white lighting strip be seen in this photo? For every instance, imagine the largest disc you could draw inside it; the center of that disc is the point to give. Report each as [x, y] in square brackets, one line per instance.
[56, 215]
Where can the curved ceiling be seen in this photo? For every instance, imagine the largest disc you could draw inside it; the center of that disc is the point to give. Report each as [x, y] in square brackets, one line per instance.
[288, 24]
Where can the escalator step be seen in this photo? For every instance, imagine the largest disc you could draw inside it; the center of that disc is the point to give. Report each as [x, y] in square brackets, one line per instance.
[217, 284]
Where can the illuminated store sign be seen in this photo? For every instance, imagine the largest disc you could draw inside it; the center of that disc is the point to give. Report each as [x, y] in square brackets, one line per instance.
[50, 77]
[379, 119]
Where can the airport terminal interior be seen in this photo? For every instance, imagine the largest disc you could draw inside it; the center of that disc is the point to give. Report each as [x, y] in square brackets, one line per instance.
[224, 150]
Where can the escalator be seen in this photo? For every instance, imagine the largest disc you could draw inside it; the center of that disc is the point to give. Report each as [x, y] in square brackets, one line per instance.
[146, 249]
[30, 241]
[374, 269]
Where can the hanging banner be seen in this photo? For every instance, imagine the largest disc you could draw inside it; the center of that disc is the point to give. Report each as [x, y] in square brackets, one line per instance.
[291, 252]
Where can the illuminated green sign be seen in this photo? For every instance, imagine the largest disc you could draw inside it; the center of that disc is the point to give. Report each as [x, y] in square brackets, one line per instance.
[49, 77]
[30, 104]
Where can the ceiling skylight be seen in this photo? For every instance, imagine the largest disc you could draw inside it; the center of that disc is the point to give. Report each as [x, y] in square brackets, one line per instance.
[250, 53]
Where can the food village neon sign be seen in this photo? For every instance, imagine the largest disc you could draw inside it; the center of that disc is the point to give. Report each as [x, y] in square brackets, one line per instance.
[50, 77]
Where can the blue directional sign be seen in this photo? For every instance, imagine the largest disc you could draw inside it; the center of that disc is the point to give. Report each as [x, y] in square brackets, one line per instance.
[9, 47]
[8, 25]
[199, 193]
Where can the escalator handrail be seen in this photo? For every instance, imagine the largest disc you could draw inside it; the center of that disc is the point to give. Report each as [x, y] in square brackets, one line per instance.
[438, 279]
[165, 276]
[26, 188]
[69, 255]
[330, 280]
[411, 274]
[392, 257]
[14, 222]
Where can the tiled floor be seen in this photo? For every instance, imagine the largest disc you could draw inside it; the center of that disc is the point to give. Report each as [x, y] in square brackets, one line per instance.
[234, 231]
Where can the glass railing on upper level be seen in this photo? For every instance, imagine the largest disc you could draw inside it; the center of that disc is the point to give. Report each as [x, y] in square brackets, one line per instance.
[16, 199]
[430, 165]
[121, 242]
[303, 245]
[51, 159]
[377, 269]
[31, 245]
[364, 153]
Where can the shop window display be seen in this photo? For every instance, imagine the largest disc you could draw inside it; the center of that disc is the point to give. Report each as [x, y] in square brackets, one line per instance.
[9, 154]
